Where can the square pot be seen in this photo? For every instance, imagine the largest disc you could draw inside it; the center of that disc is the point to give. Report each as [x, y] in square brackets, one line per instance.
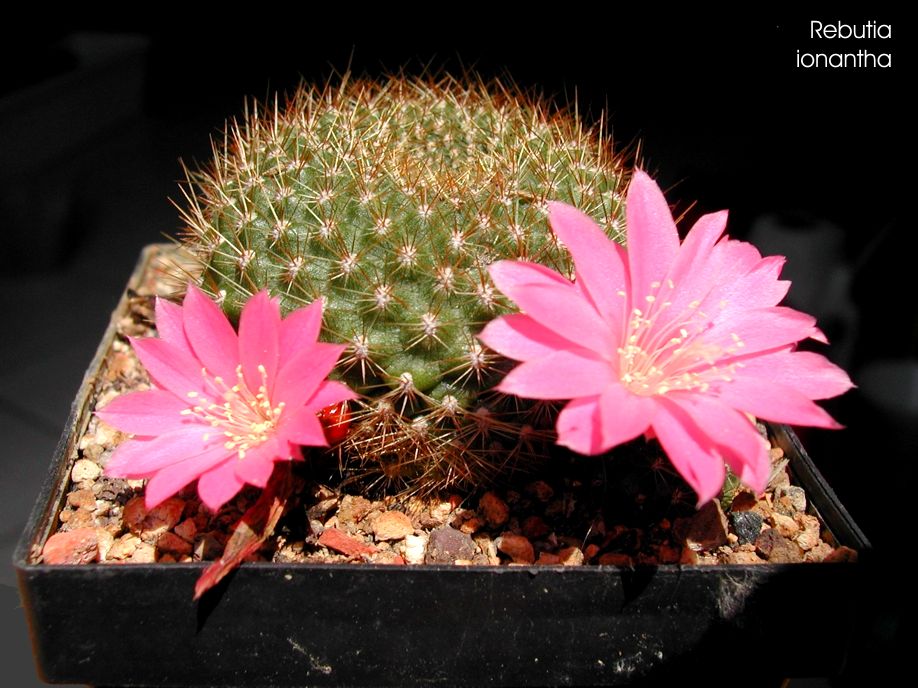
[295, 624]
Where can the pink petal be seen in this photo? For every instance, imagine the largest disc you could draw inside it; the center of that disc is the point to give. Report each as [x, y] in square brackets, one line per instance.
[811, 374]
[560, 375]
[712, 276]
[735, 437]
[692, 275]
[220, 484]
[169, 480]
[695, 249]
[653, 241]
[691, 452]
[211, 335]
[300, 377]
[303, 427]
[624, 415]
[170, 325]
[552, 301]
[151, 412]
[513, 275]
[762, 281]
[758, 288]
[761, 329]
[140, 457]
[600, 262]
[259, 327]
[302, 326]
[330, 392]
[775, 402]
[734, 257]
[579, 427]
[819, 336]
[521, 338]
[170, 367]
[258, 464]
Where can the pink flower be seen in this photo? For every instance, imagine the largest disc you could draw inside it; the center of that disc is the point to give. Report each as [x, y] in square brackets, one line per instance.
[664, 340]
[225, 407]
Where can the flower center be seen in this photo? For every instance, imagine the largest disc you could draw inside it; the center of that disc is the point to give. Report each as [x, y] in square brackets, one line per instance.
[660, 355]
[245, 419]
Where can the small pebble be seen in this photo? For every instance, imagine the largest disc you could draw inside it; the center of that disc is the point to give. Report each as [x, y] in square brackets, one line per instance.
[746, 524]
[779, 479]
[111, 489]
[707, 529]
[541, 490]
[766, 541]
[809, 537]
[81, 518]
[353, 509]
[819, 552]
[440, 513]
[123, 547]
[84, 499]
[570, 556]
[392, 525]
[445, 545]
[389, 558]
[494, 509]
[106, 541]
[785, 525]
[186, 530]
[80, 546]
[517, 547]
[339, 541]
[472, 525]
[321, 510]
[777, 548]
[743, 558]
[488, 548]
[84, 469]
[795, 495]
[173, 544]
[415, 548]
[106, 435]
[153, 523]
[743, 501]
[534, 527]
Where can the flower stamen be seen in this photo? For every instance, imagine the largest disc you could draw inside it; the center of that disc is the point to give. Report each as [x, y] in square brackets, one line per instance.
[245, 418]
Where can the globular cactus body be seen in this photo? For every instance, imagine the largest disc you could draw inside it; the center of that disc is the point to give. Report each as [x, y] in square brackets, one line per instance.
[389, 200]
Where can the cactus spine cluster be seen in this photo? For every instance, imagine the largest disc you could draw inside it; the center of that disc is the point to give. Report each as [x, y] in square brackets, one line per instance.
[389, 200]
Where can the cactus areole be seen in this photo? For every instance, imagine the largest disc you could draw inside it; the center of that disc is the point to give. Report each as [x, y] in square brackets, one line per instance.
[389, 200]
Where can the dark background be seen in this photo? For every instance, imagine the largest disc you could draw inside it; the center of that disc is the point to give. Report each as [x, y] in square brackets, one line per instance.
[814, 164]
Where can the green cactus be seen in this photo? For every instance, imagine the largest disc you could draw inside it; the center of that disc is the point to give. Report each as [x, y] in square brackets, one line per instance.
[389, 200]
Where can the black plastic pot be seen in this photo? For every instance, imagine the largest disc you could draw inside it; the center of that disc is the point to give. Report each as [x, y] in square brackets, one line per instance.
[287, 624]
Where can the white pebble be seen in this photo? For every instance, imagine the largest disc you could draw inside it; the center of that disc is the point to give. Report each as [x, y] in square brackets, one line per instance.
[84, 469]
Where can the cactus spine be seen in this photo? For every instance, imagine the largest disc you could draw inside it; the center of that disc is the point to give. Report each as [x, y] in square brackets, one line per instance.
[389, 200]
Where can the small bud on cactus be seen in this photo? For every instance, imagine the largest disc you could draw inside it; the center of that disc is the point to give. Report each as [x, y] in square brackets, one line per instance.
[389, 200]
